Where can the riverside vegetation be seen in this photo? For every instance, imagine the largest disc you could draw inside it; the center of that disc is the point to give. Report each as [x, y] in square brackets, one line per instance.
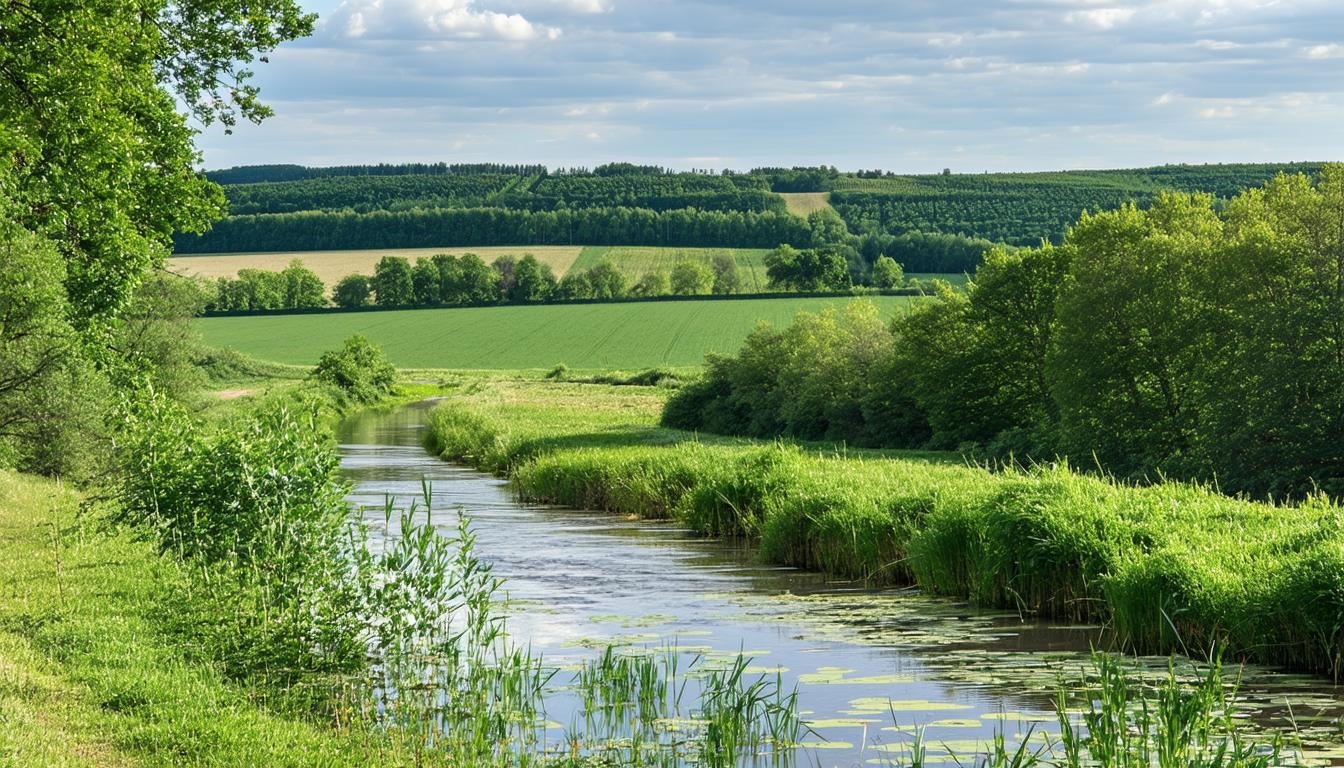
[1167, 565]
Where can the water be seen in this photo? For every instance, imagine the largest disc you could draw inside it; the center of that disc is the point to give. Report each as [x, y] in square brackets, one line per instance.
[578, 580]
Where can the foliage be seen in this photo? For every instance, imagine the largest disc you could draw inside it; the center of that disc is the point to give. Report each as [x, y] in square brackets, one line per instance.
[296, 287]
[156, 340]
[93, 152]
[51, 397]
[726, 277]
[805, 381]
[811, 269]
[1170, 340]
[690, 278]
[656, 283]
[1166, 564]
[358, 369]
[466, 227]
[533, 281]
[392, 283]
[352, 291]
[606, 281]
[887, 273]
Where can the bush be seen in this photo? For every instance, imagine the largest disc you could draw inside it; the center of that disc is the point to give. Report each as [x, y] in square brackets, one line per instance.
[358, 370]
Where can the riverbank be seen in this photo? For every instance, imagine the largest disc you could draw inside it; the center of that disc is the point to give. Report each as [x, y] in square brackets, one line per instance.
[1170, 566]
[94, 670]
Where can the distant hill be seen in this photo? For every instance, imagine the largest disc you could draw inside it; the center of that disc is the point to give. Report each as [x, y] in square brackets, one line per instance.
[293, 207]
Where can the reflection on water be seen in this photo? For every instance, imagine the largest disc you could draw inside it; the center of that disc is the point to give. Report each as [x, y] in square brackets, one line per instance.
[578, 580]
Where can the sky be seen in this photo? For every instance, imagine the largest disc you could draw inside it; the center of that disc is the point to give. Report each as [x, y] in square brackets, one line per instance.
[911, 86]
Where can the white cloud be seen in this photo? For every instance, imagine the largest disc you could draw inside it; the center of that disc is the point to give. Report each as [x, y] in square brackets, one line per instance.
[1324, 51]
[1102, 18]
[434, 19]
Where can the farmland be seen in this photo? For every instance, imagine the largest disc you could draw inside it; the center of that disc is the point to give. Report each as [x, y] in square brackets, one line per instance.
[331, 266]
[629, 335]
[803, 203]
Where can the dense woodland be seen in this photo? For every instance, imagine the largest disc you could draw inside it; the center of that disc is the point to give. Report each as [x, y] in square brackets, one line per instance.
[930, 223]
[1179, 341]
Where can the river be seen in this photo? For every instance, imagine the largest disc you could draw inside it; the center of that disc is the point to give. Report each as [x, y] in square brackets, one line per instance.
[869, 664]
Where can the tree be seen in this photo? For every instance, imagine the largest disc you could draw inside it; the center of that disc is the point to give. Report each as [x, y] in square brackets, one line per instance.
[504, 267]
[607, 281]
[264, 289]
[425, 281]
[726, 277]
[50, 396]
[812, 269]
[575, 285]
[1136, 332]
[533, 281]
[303, 288]
[691, 278]
[887, 273]
[392, 284]
[655, 283]
[352, 291]
[93, 153]
[478, 282]
[1277, 423]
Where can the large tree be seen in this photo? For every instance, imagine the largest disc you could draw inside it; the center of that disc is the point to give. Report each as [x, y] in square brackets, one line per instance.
[93, 152]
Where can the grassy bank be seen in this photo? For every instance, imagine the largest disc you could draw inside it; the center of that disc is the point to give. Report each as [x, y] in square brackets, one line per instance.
[94, 670]
[1170, 566]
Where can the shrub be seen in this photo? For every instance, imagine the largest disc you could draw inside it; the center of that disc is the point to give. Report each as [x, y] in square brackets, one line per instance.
[358, 369]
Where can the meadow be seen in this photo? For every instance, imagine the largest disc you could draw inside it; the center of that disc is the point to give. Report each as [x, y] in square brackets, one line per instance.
[627, 335]
[803, 203]
[331, 266]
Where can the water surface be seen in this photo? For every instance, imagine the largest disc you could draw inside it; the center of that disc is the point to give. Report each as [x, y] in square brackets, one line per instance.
[578, 580]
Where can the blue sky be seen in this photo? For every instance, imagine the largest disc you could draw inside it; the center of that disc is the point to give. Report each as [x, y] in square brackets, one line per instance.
[912, 86]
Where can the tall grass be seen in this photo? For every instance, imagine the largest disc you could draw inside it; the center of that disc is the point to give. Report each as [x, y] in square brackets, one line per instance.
[1169, 566]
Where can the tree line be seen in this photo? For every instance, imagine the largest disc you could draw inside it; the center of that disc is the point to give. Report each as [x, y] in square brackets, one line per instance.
[1177, 341]
[256, 174]
[458, 227]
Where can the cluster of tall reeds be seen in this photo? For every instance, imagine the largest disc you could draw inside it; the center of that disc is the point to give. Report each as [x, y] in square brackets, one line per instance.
[297, 597]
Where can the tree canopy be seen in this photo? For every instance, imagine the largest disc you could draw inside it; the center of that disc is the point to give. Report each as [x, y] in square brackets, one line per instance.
[93, 152]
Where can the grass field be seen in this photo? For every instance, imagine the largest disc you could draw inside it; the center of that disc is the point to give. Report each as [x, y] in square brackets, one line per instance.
[637, 261]
[628, 336]
[331, 266]
[803, 203]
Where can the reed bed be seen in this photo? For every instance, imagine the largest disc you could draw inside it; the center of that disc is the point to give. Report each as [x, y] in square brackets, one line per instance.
[1171, 566]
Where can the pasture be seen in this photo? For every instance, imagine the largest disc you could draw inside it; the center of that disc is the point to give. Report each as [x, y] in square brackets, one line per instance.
[637, 261]
[628, 335]
[331, 266]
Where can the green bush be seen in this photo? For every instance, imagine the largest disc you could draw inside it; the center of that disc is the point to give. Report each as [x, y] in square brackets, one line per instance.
[358, 370]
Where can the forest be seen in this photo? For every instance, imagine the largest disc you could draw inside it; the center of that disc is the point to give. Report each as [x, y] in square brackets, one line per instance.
[907, 218]
[1180, 341]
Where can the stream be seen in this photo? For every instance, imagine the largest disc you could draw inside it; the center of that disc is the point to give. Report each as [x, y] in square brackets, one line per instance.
[870, 665]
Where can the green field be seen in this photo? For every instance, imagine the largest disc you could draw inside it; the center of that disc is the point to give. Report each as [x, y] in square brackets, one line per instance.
[629, 335]
[637, 261]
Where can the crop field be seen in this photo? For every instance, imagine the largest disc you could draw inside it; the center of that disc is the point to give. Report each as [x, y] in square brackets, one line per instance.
[628, 336]
[331, 266]
[638, 261]
[803, 203]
